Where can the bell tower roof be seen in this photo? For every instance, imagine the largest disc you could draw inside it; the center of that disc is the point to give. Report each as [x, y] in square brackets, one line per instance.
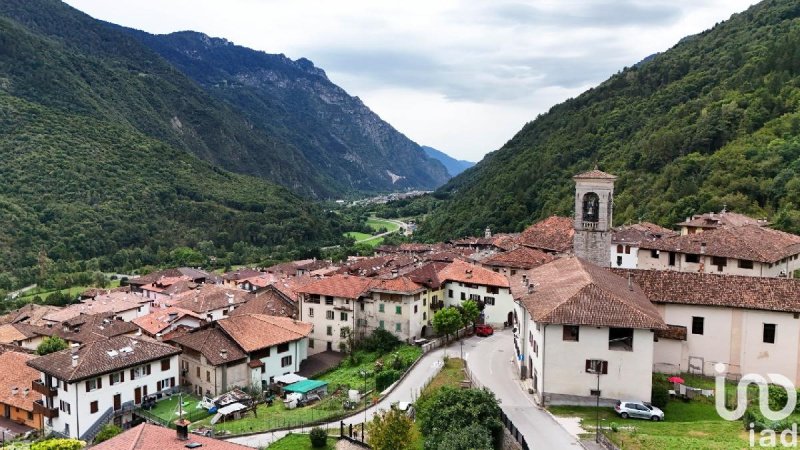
[595, 174]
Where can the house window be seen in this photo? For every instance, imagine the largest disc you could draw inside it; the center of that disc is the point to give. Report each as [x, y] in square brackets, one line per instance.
[571, 333]
[93, 407]
[208, 376]
[416, 309]
[310, 312]
[117, 377]
[424, 315]
[475, 297]
[380, 307]
[424, 301]
[654, 254]
[283, 348]
[198, 371]
[398, 327]
[513, 272]
[64, 407]
[745, 264]
[692, 258]
[343, 316]
[328, 300]
[596, 366]
[139, 372]
[463, 296]
[313, 298]
[450, 293]
[310, 343]
[329, 315]
[619, 260]
[619, 248]
[492, 289]
[698, 324]
[164, 364]
[380, 324]
[398, 310]
[620, 339]
[671, 259]
[627, 249]
[488, 300]
[719, 261]
[343, 333]
[93, 384]
[286, 361]
[329, 330]
[769, 333]
[535, 348]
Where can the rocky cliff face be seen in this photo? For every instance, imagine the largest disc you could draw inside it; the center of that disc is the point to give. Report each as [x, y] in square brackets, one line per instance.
[349, 145]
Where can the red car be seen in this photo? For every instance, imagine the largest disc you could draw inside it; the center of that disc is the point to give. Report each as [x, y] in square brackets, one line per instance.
[484, 330]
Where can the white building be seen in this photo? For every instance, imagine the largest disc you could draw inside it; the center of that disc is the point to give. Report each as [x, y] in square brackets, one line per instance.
[577, 322]
[89, 385]
[328, 304]
[626, 240]
[464, 281]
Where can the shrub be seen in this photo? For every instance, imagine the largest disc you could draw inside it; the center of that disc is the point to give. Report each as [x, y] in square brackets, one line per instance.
[108, 431]
[614, 427]
[659, 395]
[51, 344]
[318, 437]
[381, 341]
[385, 378]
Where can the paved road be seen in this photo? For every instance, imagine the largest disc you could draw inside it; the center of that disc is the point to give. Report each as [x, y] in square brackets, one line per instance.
[402, 226]
[17, 293]
[491, 361]
[407, 390]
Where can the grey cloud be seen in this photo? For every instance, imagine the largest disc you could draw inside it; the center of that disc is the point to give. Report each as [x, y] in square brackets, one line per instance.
[603, 14]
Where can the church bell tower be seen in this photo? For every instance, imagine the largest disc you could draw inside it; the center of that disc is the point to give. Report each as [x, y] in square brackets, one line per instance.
[594, 204]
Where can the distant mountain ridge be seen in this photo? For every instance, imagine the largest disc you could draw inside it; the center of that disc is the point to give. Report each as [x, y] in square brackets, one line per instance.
[349, 146]
[453, 166]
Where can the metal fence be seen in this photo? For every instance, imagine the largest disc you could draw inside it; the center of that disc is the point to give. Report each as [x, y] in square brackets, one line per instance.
[440, 341]
[513, 431]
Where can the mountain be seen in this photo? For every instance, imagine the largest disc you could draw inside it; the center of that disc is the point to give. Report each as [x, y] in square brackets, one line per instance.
[347, 144]
[100, 141]
[713, 121]
[453, 166]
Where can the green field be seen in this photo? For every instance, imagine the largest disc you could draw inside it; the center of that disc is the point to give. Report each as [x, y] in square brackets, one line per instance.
[687, 426]
[300, 442]
[71, 291]
[376, 224]
[167, 409]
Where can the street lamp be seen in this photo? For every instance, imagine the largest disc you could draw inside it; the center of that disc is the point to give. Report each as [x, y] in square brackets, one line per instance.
[364, 374]
[597, 369]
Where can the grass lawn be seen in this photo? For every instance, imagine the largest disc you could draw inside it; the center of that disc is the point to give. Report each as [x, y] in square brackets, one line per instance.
[299, 442]
[376, 224]
[688, 426]
[72, 291]
[167, 409]
[451, 375]
[350, 375]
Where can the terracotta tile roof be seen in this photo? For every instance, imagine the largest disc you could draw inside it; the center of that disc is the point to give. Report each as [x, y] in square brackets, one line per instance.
[473, 241]
[256, 331]
[370, 267]
[553, 234]
[94, 358]
[595, 173]
[749, 242]
[345, 286]
[675, 332]
[15, 379]
[259, 281]
[721, 219]
[692, 288]
[290, 286]
[270, 301]
[639, 232]
[506, 242]
[154, 437]
[91, 327]
[576, 292]
[445, 256]
[209, 297]
[428, 274]
[161, 319]
[465, 272]
[31, 313]
[9, 334]
[313, 265]
[241, 274]
[115, 302]
[519, 258]
[211, 342]
[402, 285]
[195, 275]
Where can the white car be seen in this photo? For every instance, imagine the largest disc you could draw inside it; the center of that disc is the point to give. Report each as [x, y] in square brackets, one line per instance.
[638, 410]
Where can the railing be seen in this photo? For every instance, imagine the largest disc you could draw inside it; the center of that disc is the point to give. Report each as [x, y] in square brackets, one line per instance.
[438, 342]
[40, 408]
[513, 431]
[40, 387]
[95, 428]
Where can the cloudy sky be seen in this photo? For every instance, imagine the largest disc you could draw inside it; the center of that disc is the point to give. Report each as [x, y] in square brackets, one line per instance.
[459, 75]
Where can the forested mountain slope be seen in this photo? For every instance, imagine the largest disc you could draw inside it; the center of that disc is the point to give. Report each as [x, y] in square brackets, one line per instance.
[342, 139]
[453, 166]
[712, 121]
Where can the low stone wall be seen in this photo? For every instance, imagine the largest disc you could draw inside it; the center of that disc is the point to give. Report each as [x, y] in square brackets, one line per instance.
[576, 400]
[509, 443]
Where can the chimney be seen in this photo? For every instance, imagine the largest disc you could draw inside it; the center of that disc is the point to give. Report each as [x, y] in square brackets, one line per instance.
[159, 337]
[702, 248]
[74, 348]
[14, 390]
[487, 233]
[630, 281]
[182, 429]
[230, 297]
[74, 360]
[224, 353]
[394, 273]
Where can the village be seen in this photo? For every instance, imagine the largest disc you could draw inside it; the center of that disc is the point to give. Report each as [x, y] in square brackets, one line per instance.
[589, 311]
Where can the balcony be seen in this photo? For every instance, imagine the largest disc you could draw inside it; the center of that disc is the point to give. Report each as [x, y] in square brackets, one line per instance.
[40, 387]
[39, 408]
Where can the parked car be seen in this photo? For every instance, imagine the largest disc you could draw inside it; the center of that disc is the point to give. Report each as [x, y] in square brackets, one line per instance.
[484, 330]
[638, 410]
[406, 407]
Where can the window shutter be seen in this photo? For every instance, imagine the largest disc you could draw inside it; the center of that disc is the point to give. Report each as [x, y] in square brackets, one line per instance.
[147, 369]
[132, 377]
[588, 365]
[87, 386]
[172, 382]
[158, 385]
[111, 380]
[144, 390]
[604, 368]
[122, 376]
[99, 383]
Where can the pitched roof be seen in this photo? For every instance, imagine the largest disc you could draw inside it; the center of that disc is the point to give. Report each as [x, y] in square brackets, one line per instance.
[675, 332]
[519, 258]
[256, 331]
[154, 437]
[211, 342]
[15, 380]
[160, 319]
[721, 219]
[209, 297]
[241, 274]
[373, 266]
[9, 334]
[94, 358]
[465, 272]
[428, 274]
[196, 275]
[552, 234]
[574, 291]
[595, 174]
[401, 285]
[345, 286]
[707, 289]
[91, 327]
[748, 242]
[115, 302]
[639, 232]
[290, 286]
[270, 301]
[30, 313]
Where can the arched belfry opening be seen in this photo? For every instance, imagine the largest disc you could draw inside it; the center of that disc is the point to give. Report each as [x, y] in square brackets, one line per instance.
[591, 207]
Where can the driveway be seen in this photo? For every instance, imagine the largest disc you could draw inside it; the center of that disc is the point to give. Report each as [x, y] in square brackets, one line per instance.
[491, 361]
[406, 390]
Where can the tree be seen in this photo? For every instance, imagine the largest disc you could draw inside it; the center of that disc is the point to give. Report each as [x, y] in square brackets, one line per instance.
[51, 344]
[473, 437]
[447, 321]
[108, 431]
[58, 444]
[392, 430]
[450, 409]
[318, 437]
[470, 312]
